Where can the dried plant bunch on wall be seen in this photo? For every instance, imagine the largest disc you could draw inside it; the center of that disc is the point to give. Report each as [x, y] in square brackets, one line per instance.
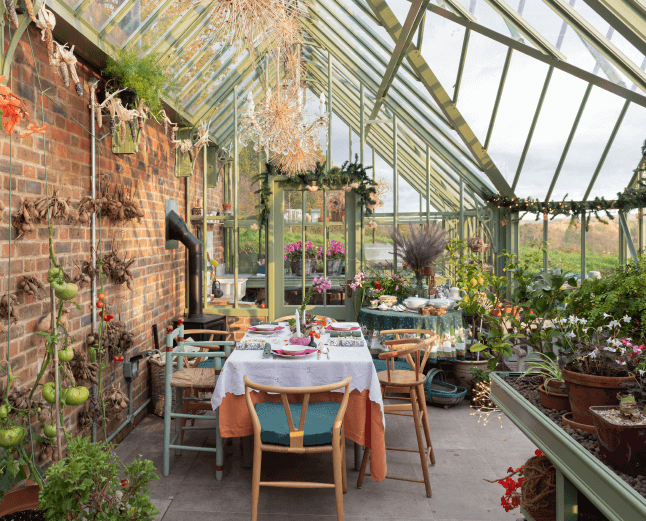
[32, 286]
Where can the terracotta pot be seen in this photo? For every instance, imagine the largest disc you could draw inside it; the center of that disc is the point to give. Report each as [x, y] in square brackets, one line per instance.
[462, 371]
[586, 391]
[227, 207]
[568, 422]
[560, 402]
[622, 446]
[18, 500]
[555, 386]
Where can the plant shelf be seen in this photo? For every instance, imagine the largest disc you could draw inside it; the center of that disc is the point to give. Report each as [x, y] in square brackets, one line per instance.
[576, 469]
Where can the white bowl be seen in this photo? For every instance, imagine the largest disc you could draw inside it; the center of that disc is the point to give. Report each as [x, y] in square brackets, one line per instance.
[440, 303]
[415, 302]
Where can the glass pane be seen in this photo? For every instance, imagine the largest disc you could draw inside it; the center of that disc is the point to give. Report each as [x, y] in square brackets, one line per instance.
[595, 127]
[602, 245]
[554, 124]
[251, 264]
[293, 247]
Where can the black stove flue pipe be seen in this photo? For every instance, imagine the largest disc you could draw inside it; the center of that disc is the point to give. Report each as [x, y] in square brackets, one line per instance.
[178, 230]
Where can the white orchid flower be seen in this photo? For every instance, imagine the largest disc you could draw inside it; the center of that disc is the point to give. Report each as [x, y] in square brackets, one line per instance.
[626, 318]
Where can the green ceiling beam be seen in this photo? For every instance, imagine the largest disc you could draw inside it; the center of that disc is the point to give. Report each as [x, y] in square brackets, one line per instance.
[587, 76]
[118, 15]
[524, 28]
[148, 23]
[435, 89]
[501, 86]
[453, 5]
[352, 118]
[79, 8]
[204, 47]
[413, 120]
[463, 57]
[627, 17]
[413, 19]
[196, 58]
[199, 76]
[176, 33]
[598, 41]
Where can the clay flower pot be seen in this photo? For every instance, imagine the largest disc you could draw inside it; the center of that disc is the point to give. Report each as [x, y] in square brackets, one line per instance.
[558, 401]
[556, 386]
[18, 500]
[622, 446]
[227, 207]
[587, 390]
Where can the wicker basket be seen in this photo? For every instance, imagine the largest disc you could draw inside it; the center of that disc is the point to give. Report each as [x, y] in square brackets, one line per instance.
[431, 311]
[388, 300]
[439, 392]
[158, 376]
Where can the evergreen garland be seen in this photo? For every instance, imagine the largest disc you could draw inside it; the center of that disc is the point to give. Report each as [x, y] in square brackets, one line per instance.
[349, 173]
[629, 199]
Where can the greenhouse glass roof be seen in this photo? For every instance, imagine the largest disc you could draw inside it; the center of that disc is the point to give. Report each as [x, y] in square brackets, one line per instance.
[537, 98]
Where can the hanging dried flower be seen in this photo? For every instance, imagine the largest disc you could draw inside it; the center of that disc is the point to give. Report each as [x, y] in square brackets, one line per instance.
[13, 110]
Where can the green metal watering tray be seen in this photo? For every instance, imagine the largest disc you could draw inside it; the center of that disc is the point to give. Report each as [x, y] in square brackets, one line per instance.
[576, 469]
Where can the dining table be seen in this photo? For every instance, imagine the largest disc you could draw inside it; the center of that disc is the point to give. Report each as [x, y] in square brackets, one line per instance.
[364, 421]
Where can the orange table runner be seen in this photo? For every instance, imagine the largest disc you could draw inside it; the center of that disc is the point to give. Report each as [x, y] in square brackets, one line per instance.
[363, 422]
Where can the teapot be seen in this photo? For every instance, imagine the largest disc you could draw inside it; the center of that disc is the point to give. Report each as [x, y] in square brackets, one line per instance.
[216, 290]
[454, 293]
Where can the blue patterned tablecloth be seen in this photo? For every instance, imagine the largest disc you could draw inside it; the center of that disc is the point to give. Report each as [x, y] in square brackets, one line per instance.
[451, 329]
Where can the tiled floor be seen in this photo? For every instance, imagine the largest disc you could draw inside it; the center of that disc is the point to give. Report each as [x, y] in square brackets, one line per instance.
[466, 451]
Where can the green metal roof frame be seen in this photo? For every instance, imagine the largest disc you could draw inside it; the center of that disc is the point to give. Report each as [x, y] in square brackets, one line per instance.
[394, 72]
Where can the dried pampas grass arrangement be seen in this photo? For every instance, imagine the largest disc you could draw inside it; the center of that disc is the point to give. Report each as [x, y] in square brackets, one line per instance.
[420, 248]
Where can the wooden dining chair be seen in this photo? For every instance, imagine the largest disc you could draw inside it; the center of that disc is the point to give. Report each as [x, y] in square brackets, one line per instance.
[320, 429]
[412, 384]
[426, 335]
[196, 404]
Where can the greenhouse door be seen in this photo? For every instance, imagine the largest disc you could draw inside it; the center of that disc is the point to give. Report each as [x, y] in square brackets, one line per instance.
[325, 221]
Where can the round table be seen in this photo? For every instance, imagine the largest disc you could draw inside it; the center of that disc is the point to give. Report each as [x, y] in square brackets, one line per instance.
[450, 328]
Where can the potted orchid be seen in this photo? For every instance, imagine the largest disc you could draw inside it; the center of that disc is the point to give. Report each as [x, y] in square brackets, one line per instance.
[335, 256]
[294, 254]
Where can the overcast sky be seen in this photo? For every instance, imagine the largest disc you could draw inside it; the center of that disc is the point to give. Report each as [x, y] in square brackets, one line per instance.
[482, 72]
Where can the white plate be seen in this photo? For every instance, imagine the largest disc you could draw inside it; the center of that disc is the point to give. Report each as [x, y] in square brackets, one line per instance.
[268, 327]
[340, 326]
[283, 355]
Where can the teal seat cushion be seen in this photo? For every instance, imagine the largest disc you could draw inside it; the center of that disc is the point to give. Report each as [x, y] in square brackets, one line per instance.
[209, 363]
[400, 365]
[319, 421]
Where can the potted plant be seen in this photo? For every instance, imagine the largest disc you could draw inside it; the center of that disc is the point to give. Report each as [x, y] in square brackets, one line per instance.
[594, 366]
[621, 431]
[419, 249]
[294, 254]
[553, 390]
[335, 257]
[92, 483]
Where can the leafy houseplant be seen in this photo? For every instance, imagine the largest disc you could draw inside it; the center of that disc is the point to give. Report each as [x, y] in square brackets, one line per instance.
[143, 75]
[93, 484]
[622, 292]
[420, 248]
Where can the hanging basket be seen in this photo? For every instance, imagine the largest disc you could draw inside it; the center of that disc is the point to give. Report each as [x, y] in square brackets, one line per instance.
[539, 489]
[477, 245]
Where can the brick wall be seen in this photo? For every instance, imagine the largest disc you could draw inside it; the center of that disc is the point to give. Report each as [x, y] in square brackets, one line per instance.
[61, 161]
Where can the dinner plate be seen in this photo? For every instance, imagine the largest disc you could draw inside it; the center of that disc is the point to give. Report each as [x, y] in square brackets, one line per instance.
[265, 327]
[339, 326]
[284, 355]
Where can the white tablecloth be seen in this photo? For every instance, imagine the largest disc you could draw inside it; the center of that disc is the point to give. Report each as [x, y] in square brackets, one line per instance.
[302, 372]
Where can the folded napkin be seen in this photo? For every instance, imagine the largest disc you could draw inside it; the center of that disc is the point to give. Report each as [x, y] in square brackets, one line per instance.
[353, 328]
[277, 328]
[305, 352]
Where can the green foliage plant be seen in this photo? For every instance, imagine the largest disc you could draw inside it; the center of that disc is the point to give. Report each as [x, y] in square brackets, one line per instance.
[141, 74]
[548, 365]
[92, 483]
[622, 292]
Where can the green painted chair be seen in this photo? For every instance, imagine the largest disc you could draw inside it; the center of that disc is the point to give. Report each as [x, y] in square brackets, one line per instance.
[190, 379]
[298, 428]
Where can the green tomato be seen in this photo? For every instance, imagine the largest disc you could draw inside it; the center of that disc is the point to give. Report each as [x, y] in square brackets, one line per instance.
[10, 436]
[4, 411]
[53, 274]
[50, 430]
[49, 392]
[65, 355]
[76, 395]
[65, 290]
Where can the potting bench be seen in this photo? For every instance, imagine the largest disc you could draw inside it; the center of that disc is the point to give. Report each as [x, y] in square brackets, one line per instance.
[578, 473]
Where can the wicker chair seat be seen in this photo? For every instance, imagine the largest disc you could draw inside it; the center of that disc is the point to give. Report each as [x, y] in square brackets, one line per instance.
[201, 379]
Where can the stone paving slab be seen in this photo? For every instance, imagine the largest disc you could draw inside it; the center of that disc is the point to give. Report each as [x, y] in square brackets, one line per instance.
[467, 451]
